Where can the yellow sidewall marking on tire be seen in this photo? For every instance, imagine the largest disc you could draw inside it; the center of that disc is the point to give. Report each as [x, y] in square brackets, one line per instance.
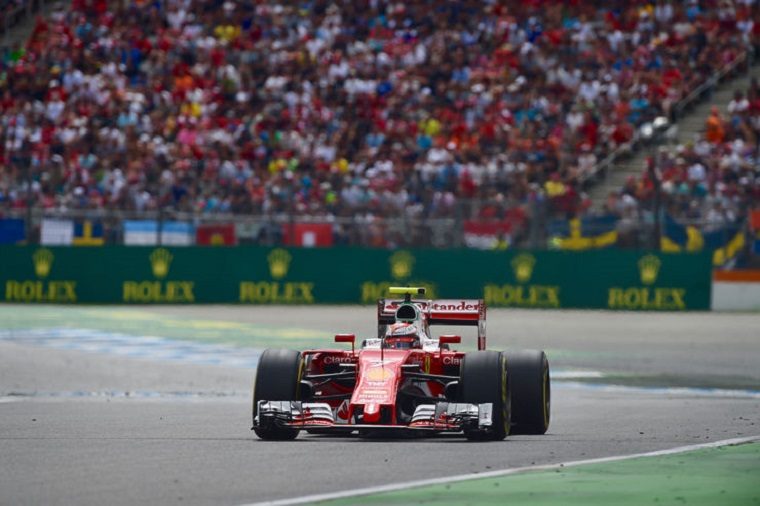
[545, 398]
[504, 394]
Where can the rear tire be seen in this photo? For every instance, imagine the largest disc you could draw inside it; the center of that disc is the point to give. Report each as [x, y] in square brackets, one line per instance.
[531, 391]
[483, 379]
[278, 378]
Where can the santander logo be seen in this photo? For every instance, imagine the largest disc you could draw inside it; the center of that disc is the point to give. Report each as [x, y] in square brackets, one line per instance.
[462, 305]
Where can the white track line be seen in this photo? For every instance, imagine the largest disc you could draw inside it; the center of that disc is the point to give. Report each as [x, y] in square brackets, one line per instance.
[495, 474]
[572, 374]
[140, 395]
[672, 391]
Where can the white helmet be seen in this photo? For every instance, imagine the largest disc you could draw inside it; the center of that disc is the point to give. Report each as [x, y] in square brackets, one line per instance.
[402, 336]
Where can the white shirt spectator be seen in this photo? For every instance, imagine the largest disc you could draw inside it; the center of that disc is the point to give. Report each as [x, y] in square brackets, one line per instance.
[738, 106]
[589, 91]
[54, 110]
[697, 173]
[663, 12]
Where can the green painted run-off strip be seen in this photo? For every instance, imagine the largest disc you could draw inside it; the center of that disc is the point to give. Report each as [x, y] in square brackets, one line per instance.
[716, 476]
[141, 322]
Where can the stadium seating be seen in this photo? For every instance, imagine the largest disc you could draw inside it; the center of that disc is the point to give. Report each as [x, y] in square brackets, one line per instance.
[714, 179]
[379, 109]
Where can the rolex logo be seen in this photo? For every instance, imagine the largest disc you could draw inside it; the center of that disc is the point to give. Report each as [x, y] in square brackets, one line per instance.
[401, 264]
[649, 267]
[522, 265]
[279, 262]
[43, 261]
[160, 260]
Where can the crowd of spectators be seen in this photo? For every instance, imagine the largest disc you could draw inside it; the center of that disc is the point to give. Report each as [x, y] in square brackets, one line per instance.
[13, 12]
[708, 182]
[7, 6]
[356, 108]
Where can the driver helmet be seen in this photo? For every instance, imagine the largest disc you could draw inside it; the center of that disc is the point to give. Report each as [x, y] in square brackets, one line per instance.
[402, 336]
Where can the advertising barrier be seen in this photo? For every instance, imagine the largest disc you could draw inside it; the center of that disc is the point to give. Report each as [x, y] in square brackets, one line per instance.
[604, 279]
[12, 231]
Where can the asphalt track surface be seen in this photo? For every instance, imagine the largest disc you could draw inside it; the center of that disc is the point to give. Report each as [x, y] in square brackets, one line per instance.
[93, 428]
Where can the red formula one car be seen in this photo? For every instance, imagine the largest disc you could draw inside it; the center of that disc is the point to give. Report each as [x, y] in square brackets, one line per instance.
[404, 380]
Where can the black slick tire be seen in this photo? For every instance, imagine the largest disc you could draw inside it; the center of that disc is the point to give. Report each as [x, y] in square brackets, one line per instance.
[483, 379]
[278, 378]
[531, 391]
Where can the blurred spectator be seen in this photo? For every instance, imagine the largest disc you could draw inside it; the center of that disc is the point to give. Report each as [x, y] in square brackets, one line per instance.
[364, 109]
[714, 130]
[709, 182]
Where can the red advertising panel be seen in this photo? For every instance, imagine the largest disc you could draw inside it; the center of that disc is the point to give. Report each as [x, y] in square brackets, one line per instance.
[216, 235]
[484, 234]
[492, 232]
[307, 235]
[754, 220]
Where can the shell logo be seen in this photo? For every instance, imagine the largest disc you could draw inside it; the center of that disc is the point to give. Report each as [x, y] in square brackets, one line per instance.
[379, 374]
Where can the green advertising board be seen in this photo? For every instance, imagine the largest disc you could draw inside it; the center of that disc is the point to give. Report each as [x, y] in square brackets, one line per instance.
[608, 279]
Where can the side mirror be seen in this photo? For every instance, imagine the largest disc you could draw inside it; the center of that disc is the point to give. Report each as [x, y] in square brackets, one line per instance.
[346, 338]
[449, 339]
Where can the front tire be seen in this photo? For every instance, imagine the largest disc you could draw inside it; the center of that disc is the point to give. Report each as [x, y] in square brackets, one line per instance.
[531, 391]
[278, 378]
[483, 379]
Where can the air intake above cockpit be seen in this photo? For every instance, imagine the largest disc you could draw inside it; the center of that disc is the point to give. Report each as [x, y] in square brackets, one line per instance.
[407, 313]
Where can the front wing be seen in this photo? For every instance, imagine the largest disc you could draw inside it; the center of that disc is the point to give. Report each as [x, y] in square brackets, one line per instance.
[438, 417]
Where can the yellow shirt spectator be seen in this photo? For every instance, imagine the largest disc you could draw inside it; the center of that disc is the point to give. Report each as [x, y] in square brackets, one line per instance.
[227, 33]
[554, 188]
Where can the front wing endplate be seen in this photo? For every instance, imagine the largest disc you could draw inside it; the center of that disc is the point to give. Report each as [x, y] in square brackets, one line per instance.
[441, 416]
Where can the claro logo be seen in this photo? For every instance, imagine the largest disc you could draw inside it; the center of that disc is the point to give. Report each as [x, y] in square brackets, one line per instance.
[336, 359]
[447, 360]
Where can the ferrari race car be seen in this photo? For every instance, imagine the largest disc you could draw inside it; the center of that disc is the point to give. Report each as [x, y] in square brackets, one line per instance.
[404, 380]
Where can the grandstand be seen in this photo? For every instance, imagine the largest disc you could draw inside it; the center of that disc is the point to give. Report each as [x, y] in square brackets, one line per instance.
[704, 187]
[374, 123]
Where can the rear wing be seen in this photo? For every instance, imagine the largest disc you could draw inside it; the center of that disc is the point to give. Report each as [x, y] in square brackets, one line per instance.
[468, 312]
